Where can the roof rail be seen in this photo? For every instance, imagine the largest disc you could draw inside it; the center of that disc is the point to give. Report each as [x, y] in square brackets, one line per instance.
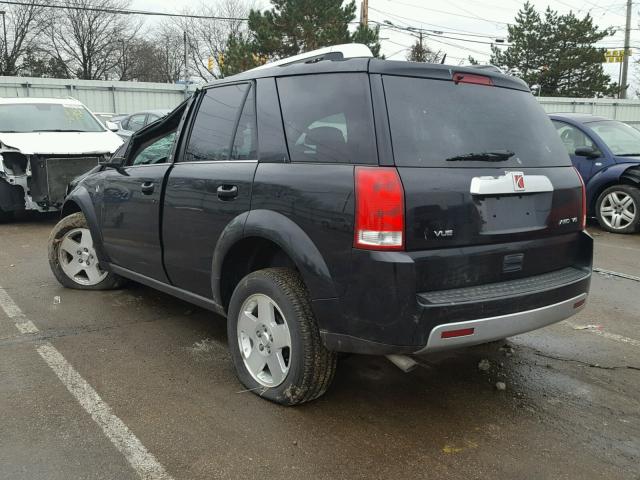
[336, 52]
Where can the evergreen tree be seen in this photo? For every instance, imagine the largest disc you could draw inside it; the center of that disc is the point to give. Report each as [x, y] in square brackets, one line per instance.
[556, 52]
[291, 27]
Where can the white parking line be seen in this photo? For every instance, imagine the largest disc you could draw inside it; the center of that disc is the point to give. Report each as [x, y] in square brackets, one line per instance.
[8, 305]
[600, 332]
[143, 462]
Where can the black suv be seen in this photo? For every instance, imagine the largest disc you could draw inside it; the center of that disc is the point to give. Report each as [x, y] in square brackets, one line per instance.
[362, 205]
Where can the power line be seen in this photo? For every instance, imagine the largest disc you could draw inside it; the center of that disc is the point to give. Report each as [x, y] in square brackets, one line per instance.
[449, 13]
[123, 11]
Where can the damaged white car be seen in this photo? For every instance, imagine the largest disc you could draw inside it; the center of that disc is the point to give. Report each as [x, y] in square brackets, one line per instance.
[44, 144]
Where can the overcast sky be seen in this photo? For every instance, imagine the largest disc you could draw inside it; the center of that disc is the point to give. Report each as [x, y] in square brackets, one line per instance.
[459, 18]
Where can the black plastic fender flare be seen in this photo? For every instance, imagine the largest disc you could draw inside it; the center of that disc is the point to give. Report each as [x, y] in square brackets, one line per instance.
[80, 200]
[285, 233]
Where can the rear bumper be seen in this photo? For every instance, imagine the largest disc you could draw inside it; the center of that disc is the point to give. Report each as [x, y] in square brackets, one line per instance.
[485, 330]
[384, 311]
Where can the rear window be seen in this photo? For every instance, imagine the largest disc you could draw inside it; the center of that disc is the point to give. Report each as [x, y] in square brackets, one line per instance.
[328, 118]
[434, 120]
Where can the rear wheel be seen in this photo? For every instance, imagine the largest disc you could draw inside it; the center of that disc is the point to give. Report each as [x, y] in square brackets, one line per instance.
[73, 259]
[618, 209]
[274, 340]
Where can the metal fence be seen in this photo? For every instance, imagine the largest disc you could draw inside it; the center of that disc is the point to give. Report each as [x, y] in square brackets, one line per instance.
[99, 96]
[625, 110]
[129, 97]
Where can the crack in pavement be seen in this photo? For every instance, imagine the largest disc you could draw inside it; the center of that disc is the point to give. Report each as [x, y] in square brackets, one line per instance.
[588, 364]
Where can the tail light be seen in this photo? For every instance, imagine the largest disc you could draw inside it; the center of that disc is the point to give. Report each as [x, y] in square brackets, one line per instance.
[379, 219]
[583, 223]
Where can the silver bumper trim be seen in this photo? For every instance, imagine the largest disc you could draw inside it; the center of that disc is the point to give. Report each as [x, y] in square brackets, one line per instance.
[496, 328]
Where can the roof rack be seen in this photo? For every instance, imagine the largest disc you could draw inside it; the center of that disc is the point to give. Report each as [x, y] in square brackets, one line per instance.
[336, 52]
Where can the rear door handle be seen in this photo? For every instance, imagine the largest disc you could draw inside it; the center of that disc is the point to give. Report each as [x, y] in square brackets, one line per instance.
[227, 192]
[148, 188]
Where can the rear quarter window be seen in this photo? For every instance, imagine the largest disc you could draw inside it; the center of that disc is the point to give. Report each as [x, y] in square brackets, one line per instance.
[328, 118]
[434, 120]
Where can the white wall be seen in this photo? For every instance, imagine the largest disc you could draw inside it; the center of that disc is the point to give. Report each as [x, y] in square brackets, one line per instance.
[99, 96]
[624, 110]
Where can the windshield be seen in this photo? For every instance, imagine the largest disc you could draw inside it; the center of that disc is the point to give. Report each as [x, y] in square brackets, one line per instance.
[622, 139]
[46, 117]
[436, 123]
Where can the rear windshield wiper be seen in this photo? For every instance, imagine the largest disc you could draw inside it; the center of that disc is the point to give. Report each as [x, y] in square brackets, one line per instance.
[496, 156]
[629, 155]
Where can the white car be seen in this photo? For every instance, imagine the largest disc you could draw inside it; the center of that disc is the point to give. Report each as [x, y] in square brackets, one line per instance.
[44, 144]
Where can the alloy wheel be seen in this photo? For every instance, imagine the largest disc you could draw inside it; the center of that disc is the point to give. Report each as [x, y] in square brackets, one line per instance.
[78, 258]
[264, 340]
[618, 210]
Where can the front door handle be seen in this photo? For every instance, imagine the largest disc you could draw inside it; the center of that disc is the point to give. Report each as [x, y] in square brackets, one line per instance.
[147, 188]
[227, 192]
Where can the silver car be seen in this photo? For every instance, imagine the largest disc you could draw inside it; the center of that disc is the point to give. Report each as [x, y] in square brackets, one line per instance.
[134, 122]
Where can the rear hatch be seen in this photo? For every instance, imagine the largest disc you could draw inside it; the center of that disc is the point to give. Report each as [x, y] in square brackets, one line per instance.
[482, 165]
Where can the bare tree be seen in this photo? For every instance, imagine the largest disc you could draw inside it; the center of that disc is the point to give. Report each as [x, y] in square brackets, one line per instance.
[24, 25]
[169, 40]
[420, 52]
[91, 38]
[209, 37]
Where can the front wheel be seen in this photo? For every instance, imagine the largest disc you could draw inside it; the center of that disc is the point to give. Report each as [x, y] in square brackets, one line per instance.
[618, 209]
[274, 340]
[73, 259]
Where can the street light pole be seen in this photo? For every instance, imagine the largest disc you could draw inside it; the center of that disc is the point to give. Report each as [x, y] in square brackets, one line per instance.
[625, 59]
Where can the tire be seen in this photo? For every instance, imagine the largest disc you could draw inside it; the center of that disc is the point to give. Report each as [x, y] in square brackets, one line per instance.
[307, 368]
[70, 250]
[618, 209]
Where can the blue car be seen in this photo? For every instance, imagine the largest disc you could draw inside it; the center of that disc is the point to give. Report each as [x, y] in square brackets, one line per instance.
[607, 155]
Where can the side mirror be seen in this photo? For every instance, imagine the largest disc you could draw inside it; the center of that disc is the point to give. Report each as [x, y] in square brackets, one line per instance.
[117, 163]
[588, 152]
[112, 126]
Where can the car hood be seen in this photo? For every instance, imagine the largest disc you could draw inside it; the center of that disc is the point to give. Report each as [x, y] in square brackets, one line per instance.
[62, 143]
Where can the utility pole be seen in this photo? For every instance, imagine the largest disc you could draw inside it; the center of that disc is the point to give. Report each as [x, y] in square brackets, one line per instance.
[186, 61]
[625, 59]
[364, 13]
[6, 48]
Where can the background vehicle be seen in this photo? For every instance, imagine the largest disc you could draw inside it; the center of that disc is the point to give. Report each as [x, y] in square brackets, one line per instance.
[381, 214]
[130, 124]
[607, 155]
[44, 143]
[109, 119]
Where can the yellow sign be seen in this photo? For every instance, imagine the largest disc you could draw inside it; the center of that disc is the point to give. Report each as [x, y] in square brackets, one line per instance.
[615, 56]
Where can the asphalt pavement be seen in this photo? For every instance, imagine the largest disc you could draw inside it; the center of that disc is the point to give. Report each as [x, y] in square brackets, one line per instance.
[136, 384]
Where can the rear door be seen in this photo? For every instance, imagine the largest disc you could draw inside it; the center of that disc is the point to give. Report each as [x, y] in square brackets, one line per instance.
[210, 183]
[480, 165]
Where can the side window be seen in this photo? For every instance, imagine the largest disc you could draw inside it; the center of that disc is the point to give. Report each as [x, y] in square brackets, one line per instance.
[151, 118]
[213, 127]
[155, 152]
[135, 122]
[571, 137]
[328, 118]
[244, 145]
